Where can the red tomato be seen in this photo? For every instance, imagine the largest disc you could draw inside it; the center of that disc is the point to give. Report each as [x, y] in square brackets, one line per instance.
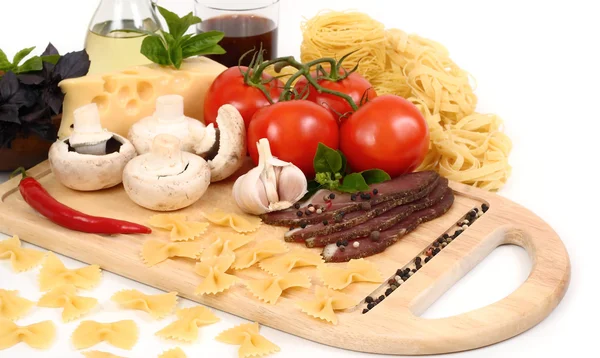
[294, 130]
[387, 133]
[229, 87]
[355, 85]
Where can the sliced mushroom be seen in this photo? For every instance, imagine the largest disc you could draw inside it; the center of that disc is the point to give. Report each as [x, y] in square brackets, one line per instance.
[169, 118]
[166, 178]
[230, 139]
[91, 158]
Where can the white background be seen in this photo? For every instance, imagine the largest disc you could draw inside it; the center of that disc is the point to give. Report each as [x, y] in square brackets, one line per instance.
[537, 65]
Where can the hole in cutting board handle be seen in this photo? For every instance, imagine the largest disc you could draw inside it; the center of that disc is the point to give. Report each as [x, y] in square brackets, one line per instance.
[494, 278]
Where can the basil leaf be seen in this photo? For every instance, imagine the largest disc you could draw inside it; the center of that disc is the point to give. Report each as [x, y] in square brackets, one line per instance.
[374, 176]
[175, 53]
[187, 21]
[19, 56]
[5, 64]
[173, 22]
[50, 50]
[213, 50]
[71, 65]
[344, 161]
[352, 183]
[53, 59]
[203, 44]
[154, 49]
[327, 160]
[33, 64]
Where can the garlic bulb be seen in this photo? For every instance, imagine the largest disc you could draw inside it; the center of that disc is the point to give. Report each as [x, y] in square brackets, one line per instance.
[272, 185]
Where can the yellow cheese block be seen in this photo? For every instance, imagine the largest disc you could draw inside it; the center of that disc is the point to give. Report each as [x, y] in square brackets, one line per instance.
[125, 97]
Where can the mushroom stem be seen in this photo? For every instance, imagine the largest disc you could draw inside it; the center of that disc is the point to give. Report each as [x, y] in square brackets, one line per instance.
[169, 108]
[92, 149]
[165, 158]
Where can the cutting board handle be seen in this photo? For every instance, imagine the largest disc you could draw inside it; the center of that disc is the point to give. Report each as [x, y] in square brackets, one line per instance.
[512, 315]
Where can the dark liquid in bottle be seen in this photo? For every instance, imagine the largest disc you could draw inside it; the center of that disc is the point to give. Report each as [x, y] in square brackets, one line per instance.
[242, 34]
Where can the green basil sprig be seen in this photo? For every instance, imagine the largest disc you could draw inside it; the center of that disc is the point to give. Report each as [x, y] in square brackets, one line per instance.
[170, 48]
[34, 63]
[332, 173]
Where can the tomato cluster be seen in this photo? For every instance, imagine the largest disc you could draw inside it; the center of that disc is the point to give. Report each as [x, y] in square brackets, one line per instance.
[385, 132]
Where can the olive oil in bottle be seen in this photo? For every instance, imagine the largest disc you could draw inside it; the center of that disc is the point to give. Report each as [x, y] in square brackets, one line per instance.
[109, 47]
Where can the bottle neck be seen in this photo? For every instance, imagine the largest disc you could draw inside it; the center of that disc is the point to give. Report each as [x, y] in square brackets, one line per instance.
[124, 14]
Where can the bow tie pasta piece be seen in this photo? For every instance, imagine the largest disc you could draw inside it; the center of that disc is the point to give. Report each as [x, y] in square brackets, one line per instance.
[21, 259]
[251, 343]
[216, 278]
[181, 228]
[239, 223]
[189, 320]
[54, 274]
[356, 271]
[38, 335]
[270, 289]
[12, 306]
[325, 303]
[65, 297]
[158, 306]
[157, 251]
[121, 334]
[99, 354]
[225, 245]
[173, 353]
[248, 256]
[280, 265]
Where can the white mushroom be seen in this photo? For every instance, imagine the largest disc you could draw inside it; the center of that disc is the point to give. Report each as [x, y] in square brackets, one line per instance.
[231, 141]
[91, 158]
[224, 147]
[166, 179]
[169, 118]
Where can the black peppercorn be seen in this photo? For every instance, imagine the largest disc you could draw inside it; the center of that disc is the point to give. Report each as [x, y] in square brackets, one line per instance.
[375, 191]
[332, 196]
[406, 271]
[399, 272]
[484, 207]
[338, 243]
[297, 206]
[440, 240]
[436, 244]
[325, 222]
[413, 270]
[405, 277]
[307, 212]
[388, 291]
[369, 299]
[427, 259]
[381, 298]
[371, 305]
[303, 225]
[345, 242]
[353, 197]
[436, 251]
[374, 236]
[365, 196]
[391, 281]
[299, 213]
[365, 310]
[418, 260]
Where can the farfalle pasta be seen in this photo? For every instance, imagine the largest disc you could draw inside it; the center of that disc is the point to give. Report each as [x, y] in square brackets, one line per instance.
[249, 256]
[12, 306]
[189, 320]
[21, 259]
[226, 244]
[157, 251]
[158, 306]
[121, 334]
[359, 270]
[173, 353]
[54, 274]
[38, 335]
[214, 271]
[325, 304]
[251, 343]
[99, 354]
[181, 229]
[239, 223]
[66, 297]
[280, 265]
[270, 289]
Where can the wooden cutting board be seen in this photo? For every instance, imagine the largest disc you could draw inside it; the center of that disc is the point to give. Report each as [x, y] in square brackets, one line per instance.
[391, 327]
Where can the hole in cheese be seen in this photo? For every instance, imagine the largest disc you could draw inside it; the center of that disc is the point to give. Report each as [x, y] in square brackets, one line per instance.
[133, 107]
[101, 101]
[145, 91]
[110, 84]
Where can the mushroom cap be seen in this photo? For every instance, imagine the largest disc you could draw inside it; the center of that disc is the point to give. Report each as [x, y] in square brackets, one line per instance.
[167, 119]
[86, 172]
[232, 144]
[170, 190]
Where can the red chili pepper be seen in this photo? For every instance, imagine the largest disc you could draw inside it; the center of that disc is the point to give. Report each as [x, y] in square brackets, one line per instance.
[39, 199]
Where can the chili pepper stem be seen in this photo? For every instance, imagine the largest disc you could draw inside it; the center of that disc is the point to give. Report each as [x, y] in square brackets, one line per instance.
[19, 170]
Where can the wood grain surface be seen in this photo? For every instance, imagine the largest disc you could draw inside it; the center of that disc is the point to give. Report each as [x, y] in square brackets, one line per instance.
[391, 327]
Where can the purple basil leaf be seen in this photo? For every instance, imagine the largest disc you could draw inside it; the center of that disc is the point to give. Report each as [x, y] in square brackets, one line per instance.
[37, 114]
[71, 65]
[32, 78]
[9, 113]
[45, 131]
[53, 97]
[50, 50]
[9, 85]
[23, 98]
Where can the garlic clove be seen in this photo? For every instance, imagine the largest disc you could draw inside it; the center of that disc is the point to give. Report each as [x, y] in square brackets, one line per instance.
[292, 184]
[249, 193]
